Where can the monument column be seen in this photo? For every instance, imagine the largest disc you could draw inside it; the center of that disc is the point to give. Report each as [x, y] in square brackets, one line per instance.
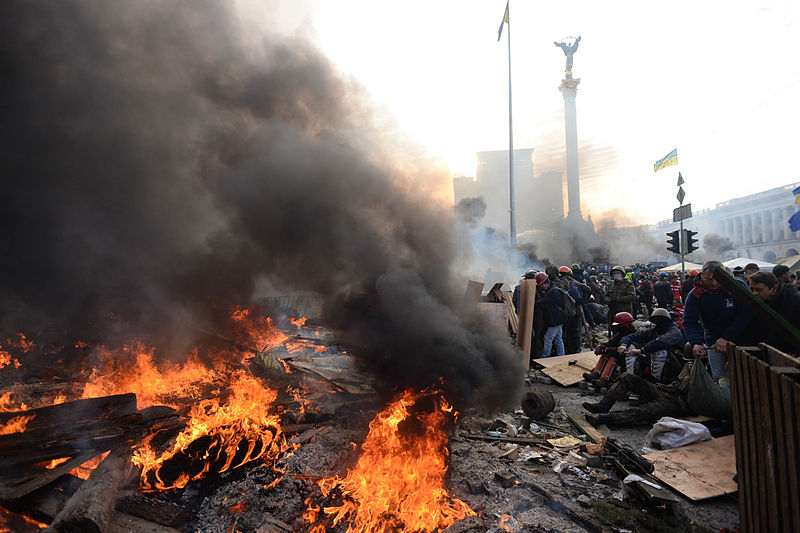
[569, 88]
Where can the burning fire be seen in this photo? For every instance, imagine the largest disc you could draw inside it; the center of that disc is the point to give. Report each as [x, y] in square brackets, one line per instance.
[16, 424]
[239, 426]
[21, 343]
[85, 470]
[398, 483]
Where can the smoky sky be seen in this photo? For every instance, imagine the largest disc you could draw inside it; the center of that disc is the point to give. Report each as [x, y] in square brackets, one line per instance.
[155, 167]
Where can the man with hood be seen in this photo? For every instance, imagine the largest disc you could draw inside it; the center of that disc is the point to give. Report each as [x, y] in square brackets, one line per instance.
[619, 295]
[655, 342]
[723, 319]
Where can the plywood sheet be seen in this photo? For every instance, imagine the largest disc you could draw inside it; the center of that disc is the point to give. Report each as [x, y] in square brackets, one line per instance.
[564, 373]
[496, 314]
[581, 357]
[698, 471]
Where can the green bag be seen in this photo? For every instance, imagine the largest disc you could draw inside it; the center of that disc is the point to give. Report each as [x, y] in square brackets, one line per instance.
[705, 397]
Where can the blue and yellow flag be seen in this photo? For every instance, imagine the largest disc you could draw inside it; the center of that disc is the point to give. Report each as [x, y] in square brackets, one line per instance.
[794, 221]
[503, 22]
[667, 161]
[796, 193]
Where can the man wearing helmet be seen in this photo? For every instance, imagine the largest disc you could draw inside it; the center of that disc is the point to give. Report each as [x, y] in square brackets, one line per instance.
[619, 295]
[655, 342]
[663, 291]
[550, 299]
[603, 370]
[572, 324]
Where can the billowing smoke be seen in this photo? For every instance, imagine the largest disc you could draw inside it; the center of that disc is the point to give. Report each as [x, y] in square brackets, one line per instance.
[714, 245]
[628, 242]
[157, 169]
[471, 210]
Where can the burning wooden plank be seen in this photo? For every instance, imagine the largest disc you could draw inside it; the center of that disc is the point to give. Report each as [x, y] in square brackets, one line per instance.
[90, 509]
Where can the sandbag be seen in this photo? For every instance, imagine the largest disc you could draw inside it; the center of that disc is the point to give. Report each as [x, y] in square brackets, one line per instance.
[705, 397]
[671, 432]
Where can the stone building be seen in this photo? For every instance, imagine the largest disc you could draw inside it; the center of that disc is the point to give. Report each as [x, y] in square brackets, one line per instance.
[756, 225]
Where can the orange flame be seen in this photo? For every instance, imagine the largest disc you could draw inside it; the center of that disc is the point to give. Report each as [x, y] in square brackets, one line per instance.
[398, 482]
[16, 424]
[131, 368]
[243, 417]
[85, 470]
[55, 462]
[503, 520]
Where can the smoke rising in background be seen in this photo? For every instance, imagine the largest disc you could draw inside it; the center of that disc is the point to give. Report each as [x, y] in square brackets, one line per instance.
[157, 170]
[713, 246]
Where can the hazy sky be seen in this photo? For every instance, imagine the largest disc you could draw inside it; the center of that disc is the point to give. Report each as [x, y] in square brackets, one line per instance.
[718, 80]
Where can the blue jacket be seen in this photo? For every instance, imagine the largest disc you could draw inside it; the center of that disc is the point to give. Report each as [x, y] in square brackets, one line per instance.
[650, 341]
[576, 293]
[722, 316]
[550, 304]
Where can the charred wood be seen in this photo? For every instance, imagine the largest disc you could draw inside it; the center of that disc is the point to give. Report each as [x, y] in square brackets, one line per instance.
[76, 411]
[160, 512]
[68, 440]
[90, 509]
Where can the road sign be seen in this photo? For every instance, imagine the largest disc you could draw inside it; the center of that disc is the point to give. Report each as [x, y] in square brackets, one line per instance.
[681, 195]
[682, 213]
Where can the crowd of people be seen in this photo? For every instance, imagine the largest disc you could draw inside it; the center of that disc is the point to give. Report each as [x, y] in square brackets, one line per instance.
[648, 328]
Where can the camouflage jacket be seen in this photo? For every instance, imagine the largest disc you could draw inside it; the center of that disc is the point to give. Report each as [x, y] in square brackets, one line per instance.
[620, 293]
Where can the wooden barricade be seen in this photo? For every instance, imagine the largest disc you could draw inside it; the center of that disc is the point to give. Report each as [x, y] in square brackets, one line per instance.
[765, 392]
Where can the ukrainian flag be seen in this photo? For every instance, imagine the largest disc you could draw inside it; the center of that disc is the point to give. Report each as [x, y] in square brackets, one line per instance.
[796, 193]
[667, 161]
[503, 22]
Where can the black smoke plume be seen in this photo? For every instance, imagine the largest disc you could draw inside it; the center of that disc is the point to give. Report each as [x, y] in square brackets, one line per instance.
[156, 167]
[714, 245]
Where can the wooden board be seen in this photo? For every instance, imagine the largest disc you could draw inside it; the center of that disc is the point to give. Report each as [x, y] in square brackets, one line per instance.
[472, 296]
[549, 362]
[582, 425]
[496, 314]
[513, 319]
[564, 373]
[527, 303]
[698, 471]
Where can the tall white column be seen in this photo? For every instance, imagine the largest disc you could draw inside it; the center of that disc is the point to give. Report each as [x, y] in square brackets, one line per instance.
[569, 88]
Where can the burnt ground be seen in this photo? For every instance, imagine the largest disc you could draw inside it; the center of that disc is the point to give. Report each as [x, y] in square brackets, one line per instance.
[503, 482]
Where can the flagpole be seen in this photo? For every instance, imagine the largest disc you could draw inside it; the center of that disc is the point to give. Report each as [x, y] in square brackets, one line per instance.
[513, 223]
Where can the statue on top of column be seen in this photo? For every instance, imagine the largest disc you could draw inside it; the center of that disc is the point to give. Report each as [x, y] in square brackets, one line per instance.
[569, 51]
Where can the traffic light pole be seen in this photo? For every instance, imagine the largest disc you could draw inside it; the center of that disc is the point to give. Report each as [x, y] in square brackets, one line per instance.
[683, 251]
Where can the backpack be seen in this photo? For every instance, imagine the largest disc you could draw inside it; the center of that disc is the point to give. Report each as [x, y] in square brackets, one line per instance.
[568, 306]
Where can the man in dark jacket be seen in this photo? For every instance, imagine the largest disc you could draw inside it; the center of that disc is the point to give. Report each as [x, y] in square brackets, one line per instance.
[550, 301]
[655, 342]
[784, 276]
[663, 291]
[572, 324]
[724, 319]
[645, 294]
[782, 299]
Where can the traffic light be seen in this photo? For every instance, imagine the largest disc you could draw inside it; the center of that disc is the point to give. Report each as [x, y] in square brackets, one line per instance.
[674, 241]
[690, 240]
